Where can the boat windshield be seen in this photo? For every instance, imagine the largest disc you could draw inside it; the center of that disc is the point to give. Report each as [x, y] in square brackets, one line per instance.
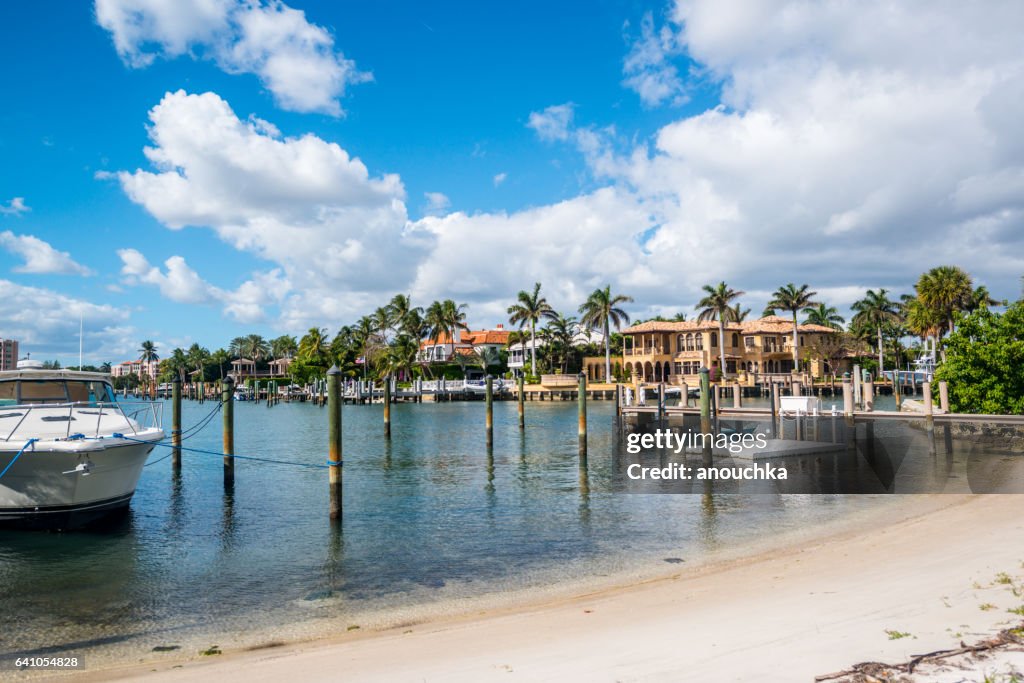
[43, 391]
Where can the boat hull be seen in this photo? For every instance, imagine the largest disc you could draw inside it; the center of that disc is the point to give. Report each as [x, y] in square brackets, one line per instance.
[68, 484]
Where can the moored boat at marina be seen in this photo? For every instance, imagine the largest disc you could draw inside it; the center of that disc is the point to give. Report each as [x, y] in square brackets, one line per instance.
[69, 452]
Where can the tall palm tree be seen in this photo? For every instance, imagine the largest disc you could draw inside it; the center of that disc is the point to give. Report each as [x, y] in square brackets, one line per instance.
[739, 314]
[435, 322]
[179, 362]
[982, 298]
[487, 357]
[946, 290]
[237, 347]
[600, 311]
[716, 305]
[314, 348]
[528, 310]
[219, 358]
[793, 299]
[455, 320]
[255, 347]
[559, 334]
[824, 315]
[679, 317]
[400, 356]
[284, 346]
[874, 313]
[197, 359]
[404, 316]
[147, 352]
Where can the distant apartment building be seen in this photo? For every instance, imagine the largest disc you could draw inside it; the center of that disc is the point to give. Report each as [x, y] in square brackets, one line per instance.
[8, 354]
[136, 367]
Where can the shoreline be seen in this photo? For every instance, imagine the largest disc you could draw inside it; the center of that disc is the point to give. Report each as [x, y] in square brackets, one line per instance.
[437, 644]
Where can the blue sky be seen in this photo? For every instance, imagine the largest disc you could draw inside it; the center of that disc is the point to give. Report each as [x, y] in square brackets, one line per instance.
[654, 146]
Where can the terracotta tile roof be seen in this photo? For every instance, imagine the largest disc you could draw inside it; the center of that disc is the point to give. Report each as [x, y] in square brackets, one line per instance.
[472, 338]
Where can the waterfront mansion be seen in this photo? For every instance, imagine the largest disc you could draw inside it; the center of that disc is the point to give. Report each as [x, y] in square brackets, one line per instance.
[673, 352]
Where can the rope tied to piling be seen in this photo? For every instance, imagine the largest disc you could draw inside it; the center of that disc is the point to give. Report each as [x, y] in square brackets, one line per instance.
[273, 461]
[18, 455]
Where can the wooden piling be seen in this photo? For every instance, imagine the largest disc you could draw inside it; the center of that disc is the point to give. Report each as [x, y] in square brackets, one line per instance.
[737, 396]
[869, 395]
[896, 389]
[228, 408]
[705, 413]
[684, 397]
[847, 396]
[334, 452]
[489, 419]
[387, 406]
[176, 423]
[582, 407]
[943, 396]
[858, 389]
[522, 402]
[926, 389]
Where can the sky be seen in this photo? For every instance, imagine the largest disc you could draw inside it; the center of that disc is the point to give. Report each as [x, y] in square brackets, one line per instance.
[195, 170]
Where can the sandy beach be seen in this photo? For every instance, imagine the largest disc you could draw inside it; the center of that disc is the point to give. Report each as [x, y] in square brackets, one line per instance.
[943, 571]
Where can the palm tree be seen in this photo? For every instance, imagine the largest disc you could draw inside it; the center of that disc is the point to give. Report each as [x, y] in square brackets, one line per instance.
[793, 299]
[284, 346]
[237, 347]
[946, 290]
[873, 313]
[601, 310]
[824, 315]
[255, 347]
[559, 334]
[400, 356]
[219, 358]
[314, 349]
[455, 319]
[487, 357]
[197, 358]
[147, 352]
[435, 322]
[716, 305]
[404, 316]
[179, 363]
[981, 298]
[528, 311]
[739, 314]
[679, 317]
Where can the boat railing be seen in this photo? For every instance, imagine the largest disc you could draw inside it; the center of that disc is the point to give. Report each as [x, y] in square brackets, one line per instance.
[138, 416]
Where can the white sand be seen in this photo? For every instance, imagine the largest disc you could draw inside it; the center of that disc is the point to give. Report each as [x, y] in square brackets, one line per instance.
[786, 615]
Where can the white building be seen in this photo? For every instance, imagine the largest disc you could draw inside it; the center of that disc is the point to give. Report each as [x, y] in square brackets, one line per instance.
[519, 353]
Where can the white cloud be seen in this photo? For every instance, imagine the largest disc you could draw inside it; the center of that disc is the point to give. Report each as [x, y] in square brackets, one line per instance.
[40, 257]
[249, 303]
[500, 178]
[648, 68]
[437, 203]
[302, 203]
[294, 59]
[553, 123]
[15, 207]
[45, 323]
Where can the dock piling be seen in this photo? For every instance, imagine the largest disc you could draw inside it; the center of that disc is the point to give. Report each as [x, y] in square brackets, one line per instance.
[847, 396]
[176, 423]
[334, 452]
[869, 395]
[737, 396]
[387, 406]
[943, 396]
[522, 402]
[705, 413]
[582, 405]
[489, 397]
[227, 397]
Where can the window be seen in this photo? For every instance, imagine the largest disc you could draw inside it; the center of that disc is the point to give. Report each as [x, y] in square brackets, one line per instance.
[42, 391]
[749, 343]
[8, 395]
[735, 340]
[699, 338]
[801, 340]
[714, 339]
[680, 342]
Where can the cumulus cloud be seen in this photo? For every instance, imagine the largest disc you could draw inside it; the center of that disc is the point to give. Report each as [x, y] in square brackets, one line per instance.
[40, 258]
[302, 203]
[178, 282]
[554, 122]
[15, 207]
[649, 68]
[437, 203]
[293, 58]
[45, 322]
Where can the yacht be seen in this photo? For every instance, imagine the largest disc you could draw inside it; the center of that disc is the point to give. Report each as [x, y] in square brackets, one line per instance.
[69, 452]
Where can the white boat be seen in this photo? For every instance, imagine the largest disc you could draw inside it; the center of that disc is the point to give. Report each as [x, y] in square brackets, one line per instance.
[69, 452]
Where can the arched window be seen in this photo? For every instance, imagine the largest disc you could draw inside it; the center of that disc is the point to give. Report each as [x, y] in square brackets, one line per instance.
[714, 339]
[680, 342]
[699, 339]
[735, 339]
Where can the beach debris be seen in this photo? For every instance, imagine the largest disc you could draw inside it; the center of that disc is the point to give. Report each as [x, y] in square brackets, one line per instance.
[166, 648]
[674, 560]
[1006, 640]
[212, 650]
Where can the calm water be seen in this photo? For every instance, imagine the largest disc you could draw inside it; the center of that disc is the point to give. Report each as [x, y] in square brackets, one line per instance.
[431, 521]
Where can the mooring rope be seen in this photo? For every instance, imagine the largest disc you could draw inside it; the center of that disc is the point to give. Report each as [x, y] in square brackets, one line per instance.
[15, 458]
[226, 455]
